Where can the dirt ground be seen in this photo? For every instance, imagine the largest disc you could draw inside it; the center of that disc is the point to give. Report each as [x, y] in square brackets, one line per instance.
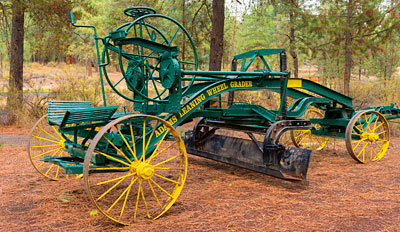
[340, 195]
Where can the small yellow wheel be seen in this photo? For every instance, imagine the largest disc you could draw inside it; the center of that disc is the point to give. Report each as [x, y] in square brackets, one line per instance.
[45, 140]
[305, 138]
[367, 135]
[129, 185]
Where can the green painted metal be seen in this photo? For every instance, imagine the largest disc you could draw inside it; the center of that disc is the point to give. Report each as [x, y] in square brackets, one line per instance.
[96, 38]
[178, 103]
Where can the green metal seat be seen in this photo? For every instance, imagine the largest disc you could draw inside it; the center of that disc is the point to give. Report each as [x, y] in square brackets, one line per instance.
[74, 114]
[57, 109]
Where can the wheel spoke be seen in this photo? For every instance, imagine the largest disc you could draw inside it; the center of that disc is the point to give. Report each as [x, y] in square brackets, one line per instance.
[58, 133]
[368, 121]
[313, 143]
[144, 139]
[378, 126]
[46, 132]
[126, 196]
[49, 169]
[166, 161]
[373, 130]
[381, 133]
[158, 145]
[112, 187]
[362, 150]
[369, 143]
[165, 178]
[378, 145]
[304, 137]
[154, 193]
[133, 139]
[318, 141]
[162, 189]
[115, 159]
[109, 169]
[179, 169]
[47, 152]
[144, 200]
[119, 151]
[119, 198]
[358, 143]
[58, 169]
[137, 199]
[127, 144]
[55, 145]
[364, 155]
[361, 125]
[41, 164]
[302, 133]
[118, 178]
[151, 135]
[160, 152]
[44, 139]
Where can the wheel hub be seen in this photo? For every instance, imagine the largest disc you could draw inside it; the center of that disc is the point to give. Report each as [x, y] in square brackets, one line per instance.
[61, 143]
[145, 170]
[372, 137]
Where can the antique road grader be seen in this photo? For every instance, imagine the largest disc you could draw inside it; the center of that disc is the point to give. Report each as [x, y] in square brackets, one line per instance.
[134, 164]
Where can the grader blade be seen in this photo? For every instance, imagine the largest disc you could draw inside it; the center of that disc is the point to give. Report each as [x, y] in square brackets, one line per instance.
[291, 161]
[286, 163]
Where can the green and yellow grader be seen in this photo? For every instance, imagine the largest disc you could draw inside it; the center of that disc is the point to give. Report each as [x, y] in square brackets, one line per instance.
[134, 164]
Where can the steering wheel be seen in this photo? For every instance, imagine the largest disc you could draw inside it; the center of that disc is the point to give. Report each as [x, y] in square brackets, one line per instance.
[149, 59]
[138, 11]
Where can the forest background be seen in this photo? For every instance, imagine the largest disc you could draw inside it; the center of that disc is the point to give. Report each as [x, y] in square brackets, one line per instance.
[351, 46]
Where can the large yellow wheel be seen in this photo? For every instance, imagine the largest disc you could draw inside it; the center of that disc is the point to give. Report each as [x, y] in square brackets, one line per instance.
[45, 140]
[305, 138]
[367, 136]
[133, 186]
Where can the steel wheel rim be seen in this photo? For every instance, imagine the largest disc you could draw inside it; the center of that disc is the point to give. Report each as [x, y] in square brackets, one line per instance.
[367, 135]
[53, 145]
[133, 191]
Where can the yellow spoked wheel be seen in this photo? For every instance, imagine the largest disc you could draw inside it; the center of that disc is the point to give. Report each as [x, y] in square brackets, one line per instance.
[367, 136]
[45, 140]
[305, 138]
[131, 186]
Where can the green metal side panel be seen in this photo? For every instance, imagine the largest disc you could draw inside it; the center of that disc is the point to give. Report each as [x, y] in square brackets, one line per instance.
[326, 92]
[260, 52]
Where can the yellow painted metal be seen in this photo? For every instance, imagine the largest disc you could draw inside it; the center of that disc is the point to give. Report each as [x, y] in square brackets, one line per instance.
[305, 138]
[367, 136]
[294, 83]
[45, 140]
[152, 184]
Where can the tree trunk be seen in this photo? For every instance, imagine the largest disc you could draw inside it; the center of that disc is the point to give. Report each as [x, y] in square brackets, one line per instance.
[15, 90]
[359, 69]
[217, 35]
[347, 49]
[183, 34]
[89, 67]
[292, 46]
[217, 40]
[233, 41]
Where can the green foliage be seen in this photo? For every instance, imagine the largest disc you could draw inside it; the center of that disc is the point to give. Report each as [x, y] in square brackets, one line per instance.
[318, 26]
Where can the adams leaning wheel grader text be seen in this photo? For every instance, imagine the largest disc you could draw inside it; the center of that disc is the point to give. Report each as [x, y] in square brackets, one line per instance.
[134, 164]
